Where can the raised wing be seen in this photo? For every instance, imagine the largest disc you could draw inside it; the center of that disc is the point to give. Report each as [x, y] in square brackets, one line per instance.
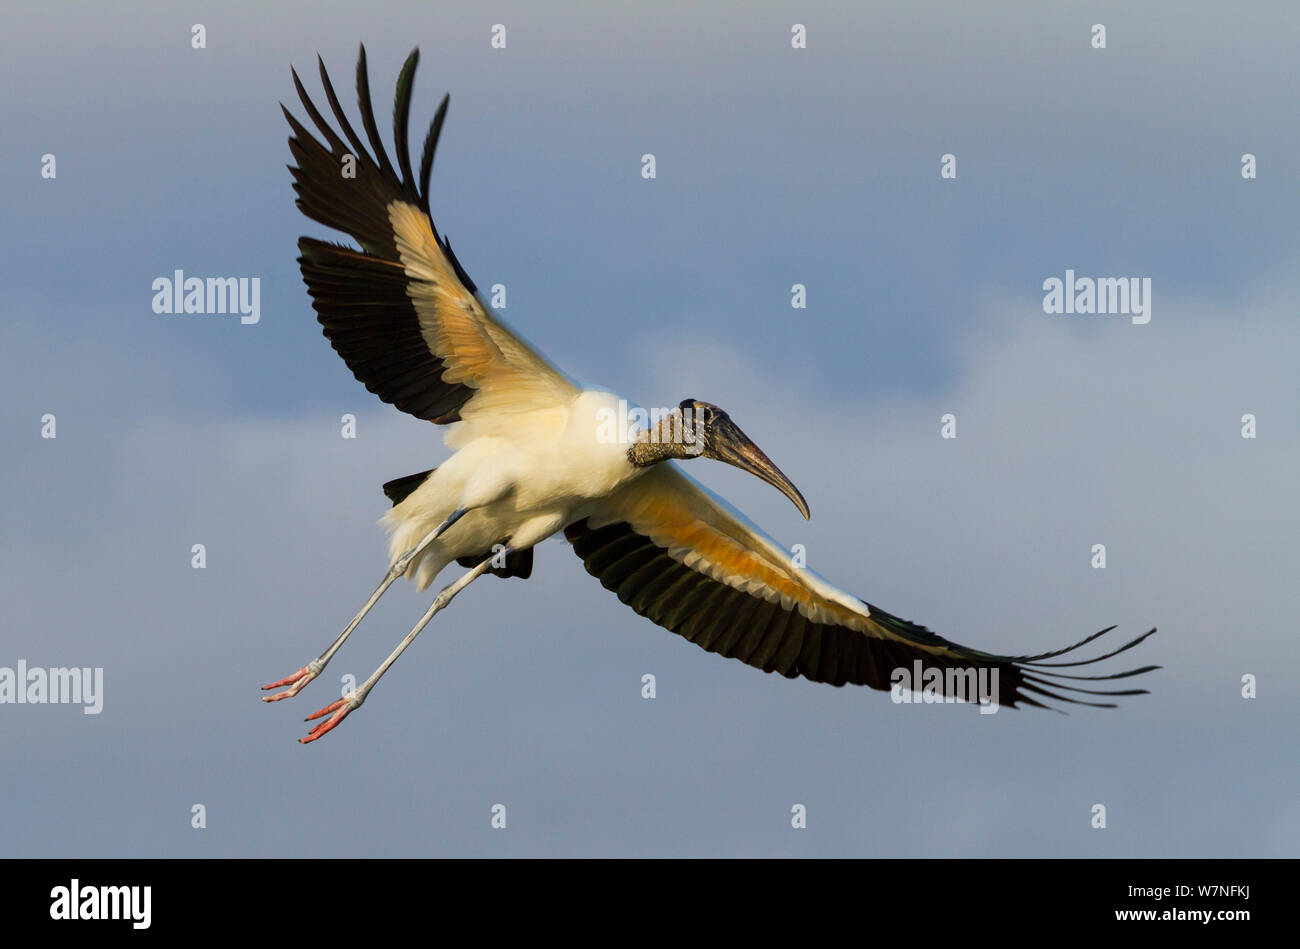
[401, 311]
[680, 557]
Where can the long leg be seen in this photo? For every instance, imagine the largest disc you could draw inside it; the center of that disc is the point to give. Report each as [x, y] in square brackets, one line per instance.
[299, 679]
[353, 699]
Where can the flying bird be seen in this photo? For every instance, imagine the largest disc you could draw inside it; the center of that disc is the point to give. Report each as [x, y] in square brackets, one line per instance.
[534, 454]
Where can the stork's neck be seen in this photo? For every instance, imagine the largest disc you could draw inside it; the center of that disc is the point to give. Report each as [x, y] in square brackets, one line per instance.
[670, 437]
[645, 454]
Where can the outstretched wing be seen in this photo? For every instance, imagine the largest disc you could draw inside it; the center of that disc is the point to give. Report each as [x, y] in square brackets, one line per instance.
[680, 557]
[401, 311]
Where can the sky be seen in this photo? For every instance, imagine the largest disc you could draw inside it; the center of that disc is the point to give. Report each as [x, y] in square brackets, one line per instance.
[775, 166]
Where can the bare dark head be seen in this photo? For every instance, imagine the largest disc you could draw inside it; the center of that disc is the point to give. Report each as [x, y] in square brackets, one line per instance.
[700, 429]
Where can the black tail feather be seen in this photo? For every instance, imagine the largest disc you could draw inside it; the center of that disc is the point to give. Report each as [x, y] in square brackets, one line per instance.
[399, 489]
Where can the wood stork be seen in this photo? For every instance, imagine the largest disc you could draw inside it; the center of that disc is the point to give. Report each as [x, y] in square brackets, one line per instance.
[533, 454]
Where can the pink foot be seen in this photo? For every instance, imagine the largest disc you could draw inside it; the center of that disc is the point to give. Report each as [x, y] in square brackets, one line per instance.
[295, 682]
[341, 709]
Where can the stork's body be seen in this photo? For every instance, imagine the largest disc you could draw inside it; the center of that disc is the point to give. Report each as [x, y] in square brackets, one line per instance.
[534, 454]
[517, 484]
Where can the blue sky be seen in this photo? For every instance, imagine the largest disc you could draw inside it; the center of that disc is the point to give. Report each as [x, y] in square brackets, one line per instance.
[774, 166]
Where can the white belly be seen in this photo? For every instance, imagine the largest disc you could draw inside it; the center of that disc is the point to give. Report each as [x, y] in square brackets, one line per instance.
[521, 478]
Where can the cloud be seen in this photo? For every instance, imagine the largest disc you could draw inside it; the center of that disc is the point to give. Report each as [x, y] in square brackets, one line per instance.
[1069, 434]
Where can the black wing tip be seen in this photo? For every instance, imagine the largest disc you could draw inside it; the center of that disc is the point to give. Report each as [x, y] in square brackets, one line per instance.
[1036, 660]
[367, 148]
[402, 116]
[418, 189]
[1030, 665]
[430, 146]
[1037, 676]
[367, 106]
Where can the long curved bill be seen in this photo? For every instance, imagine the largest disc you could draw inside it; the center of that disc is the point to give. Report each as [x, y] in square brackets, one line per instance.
[728, 443]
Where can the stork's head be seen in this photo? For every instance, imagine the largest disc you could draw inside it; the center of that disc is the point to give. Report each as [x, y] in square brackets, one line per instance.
[700, 429]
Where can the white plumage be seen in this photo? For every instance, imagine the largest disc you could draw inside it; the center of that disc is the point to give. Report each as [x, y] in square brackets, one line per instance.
[520, 476]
